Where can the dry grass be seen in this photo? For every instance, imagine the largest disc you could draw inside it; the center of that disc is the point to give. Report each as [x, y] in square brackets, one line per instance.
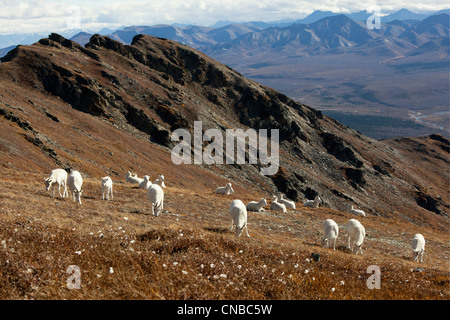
[189, 253]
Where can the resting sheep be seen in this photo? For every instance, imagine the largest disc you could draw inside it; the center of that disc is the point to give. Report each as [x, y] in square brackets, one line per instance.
[276, 206]
[160, 181]
[356, 212]
[238, 213]
[288, 203]
[57, 177]
[356, 234]
[330, 233]
[225, 190]
[156, 195]
[418, 247]
[257, 205]
[133, 178]
[107, 188]
[313, 203]
[146, 183]
[75, 182]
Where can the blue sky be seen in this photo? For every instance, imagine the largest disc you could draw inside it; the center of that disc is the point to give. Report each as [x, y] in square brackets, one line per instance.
[92, 15]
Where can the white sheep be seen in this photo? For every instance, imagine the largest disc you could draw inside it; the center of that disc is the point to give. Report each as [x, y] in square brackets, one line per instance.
[330, 233]
[356, 234]
[418, 247]
[356, 212]
[107, 188]
[160, 181]
[257, 205]
[238, 213]
[276, 206]
[146, 183]
[57, 177]
[288, 203]
[75, 182]
[133, 178]
[129, 174]
[225, 190]
[313, 203]
[156, 195]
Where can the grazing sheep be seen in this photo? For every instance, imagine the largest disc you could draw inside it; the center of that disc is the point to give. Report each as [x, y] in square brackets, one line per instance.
[146, 183]
[57, 177]
[418, 247]
[356, 234]
[156, 195]
[313, 203]
[257, 205]
[107, 187]
[276, 206]
[160, 181]
[238, 213]
[225, 190]
[356, 212]
[75, 181]
[288, 203]
[330, 233]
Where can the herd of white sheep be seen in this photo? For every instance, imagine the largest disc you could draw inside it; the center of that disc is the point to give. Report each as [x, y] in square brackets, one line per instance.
[237, 210]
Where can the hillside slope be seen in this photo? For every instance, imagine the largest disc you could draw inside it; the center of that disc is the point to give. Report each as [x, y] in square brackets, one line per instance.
[107, 108]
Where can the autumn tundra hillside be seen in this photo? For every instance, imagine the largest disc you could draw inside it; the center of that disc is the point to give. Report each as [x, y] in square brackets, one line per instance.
[108, 108]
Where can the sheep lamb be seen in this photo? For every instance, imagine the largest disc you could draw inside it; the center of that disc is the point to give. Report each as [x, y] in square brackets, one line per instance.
[330, 233]
[288, 203]
[156, 195]
[418, 247]
[276, 206]
[133, 178]
[57, 177]
[225, 190]
[356, 212]
[238, 213]
[313, 203]
[146, 183]
[356, 234]
[107, 188]
[160, 181]
[257, 205]
[75, 182]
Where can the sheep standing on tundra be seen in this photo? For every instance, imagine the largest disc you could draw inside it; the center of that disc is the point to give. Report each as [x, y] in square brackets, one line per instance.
[356, 212]
[288, 203]
[57, 177]
[107, 188]
[313, 203]
[146, 183]
[156, 195]
[75, 182]
[330, 233]
[276, 206]
[238, 213]
[257, 205]
[225, 190]
[356, 234]
[160, 181]
[418, 247]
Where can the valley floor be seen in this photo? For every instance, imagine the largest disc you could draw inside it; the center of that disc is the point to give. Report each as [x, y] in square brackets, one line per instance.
[123, 252]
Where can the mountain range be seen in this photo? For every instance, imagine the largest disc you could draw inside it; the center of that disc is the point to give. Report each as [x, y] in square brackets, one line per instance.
[337, 64]
[8, 40]
[371, 80]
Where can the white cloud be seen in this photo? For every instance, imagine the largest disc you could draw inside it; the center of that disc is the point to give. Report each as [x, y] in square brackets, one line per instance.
[52, 16]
